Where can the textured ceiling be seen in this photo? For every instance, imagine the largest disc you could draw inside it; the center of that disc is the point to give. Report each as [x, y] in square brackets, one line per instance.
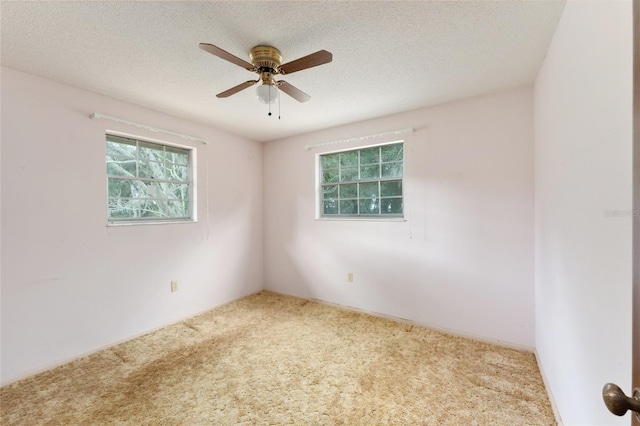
[388, 56]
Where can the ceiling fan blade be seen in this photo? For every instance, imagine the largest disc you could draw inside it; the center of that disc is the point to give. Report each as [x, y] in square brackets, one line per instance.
[215, 50]
[236, 89]
[319, 58]
[293, 91]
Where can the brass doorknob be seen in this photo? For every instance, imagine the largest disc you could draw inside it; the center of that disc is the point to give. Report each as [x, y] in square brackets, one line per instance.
[617, 402]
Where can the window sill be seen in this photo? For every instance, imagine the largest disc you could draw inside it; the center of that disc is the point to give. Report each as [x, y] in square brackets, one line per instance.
[142, 222]
[362, 219]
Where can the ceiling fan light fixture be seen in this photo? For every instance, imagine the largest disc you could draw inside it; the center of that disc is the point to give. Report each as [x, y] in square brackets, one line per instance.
[267, 93]
[266, 61]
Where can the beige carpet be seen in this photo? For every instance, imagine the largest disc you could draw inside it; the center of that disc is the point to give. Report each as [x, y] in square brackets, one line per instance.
[275, 360]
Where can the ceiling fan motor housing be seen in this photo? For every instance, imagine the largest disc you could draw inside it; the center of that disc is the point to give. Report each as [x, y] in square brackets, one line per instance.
[266, 57]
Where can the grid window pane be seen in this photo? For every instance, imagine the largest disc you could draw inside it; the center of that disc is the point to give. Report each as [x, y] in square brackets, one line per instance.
[177, 172]
[369, 189]
[121, 149]
[392, 153]
[370, 172]
[330, 207]
[151, 169]
[329, 192]
[121, 167]
[177, 191]
[123, 208]
[369, 206]
[179, 207]
[348, 174]
[391, 205]
[330, 176]
[176, 156]
[149, 189]
[392, 170]
[147, 180]
[390, 188]
[151, 152]
[349, 207]
[349, 159]
[153, 208]
[349, 190]
[120, 188]
[370, 156]
[330, 161]
[362, 182]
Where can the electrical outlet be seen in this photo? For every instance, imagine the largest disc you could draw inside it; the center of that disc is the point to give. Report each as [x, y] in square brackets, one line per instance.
[349, 277]
[174, 286]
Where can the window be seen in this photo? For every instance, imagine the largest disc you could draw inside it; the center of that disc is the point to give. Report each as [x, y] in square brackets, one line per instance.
[148, 182]
[362, 182]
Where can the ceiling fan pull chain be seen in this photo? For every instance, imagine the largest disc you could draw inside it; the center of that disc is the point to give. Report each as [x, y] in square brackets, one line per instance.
[269, 100]
[278, 104]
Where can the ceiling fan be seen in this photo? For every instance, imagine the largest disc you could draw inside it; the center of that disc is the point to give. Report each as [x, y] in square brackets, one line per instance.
[266, 61]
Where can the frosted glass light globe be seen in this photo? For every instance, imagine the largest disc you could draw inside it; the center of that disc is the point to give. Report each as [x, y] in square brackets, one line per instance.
[267, 94]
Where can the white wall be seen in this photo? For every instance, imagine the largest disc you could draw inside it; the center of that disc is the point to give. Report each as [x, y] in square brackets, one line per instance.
[462, 261]
[70, 284]
[583, 168]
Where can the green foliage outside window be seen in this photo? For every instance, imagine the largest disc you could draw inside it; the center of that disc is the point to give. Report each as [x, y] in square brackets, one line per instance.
[147, 181]
[363, 182]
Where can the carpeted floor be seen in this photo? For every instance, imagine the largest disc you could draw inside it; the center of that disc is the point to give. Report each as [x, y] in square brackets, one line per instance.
[269, 359]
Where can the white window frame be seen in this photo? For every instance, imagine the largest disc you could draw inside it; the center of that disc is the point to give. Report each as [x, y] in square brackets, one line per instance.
[191, 182]
[359, 217]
